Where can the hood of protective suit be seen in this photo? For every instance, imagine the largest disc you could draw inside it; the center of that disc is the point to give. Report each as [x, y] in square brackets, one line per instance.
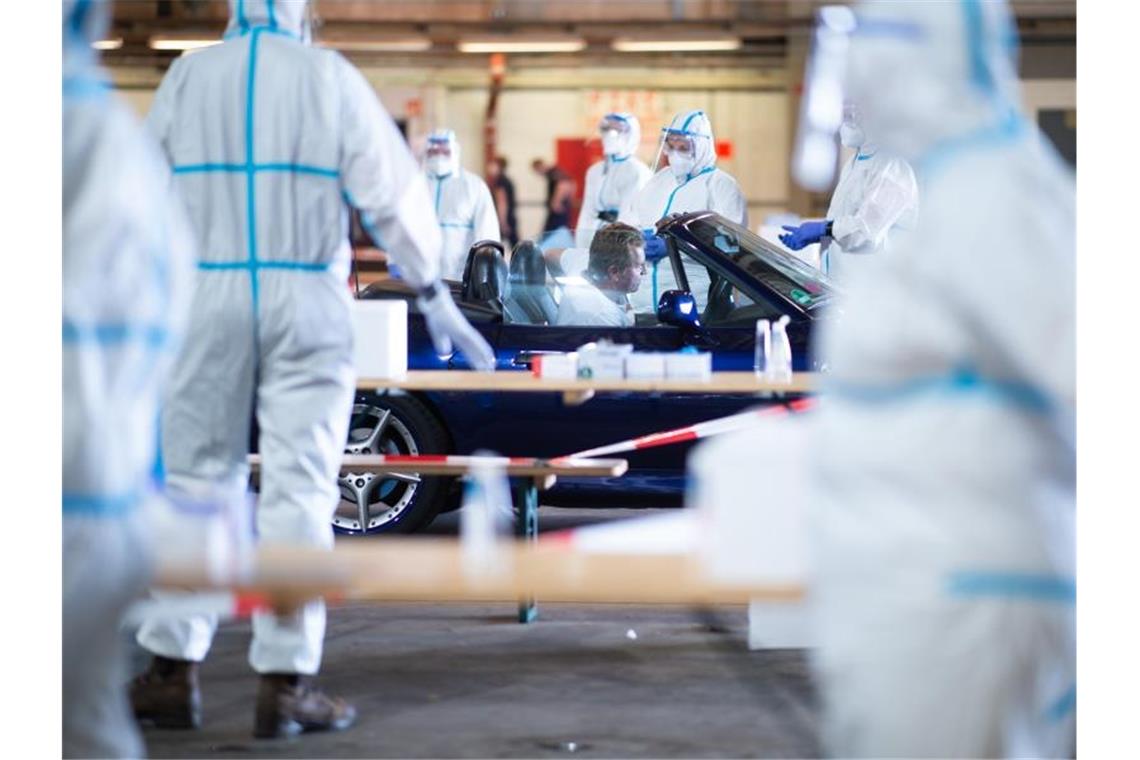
[697, 125]
[926, 73]
[629, 141]
[290, 16]
[84, 22]
[443, 168]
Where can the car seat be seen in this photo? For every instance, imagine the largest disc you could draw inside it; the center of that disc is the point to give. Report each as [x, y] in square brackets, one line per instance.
[527, 292]
[485, 275]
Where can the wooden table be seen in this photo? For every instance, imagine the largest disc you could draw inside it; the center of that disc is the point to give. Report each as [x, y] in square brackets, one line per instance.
[575, 392]
[527, 475]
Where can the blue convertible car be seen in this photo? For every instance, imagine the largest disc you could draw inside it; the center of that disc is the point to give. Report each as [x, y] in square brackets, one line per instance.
[514, 307]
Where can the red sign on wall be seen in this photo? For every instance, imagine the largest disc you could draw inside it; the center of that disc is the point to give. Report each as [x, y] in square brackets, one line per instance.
[724, 148]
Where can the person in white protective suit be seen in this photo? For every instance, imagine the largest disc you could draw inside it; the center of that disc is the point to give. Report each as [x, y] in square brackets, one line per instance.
[127, 266]
[944, 526]
[617, 177]
[876, 194]
[691, 182]
[268, 140]
[463, 202]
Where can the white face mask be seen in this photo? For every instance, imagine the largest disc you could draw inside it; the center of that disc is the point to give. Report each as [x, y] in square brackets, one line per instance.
[439, 165]
[681, 164]
[611, 142]
[851, 135]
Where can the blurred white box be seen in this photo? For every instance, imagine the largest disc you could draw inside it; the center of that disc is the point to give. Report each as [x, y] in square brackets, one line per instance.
[603, 360]
[688, 366]
[380, 338]
[645, 366]
[555, 366]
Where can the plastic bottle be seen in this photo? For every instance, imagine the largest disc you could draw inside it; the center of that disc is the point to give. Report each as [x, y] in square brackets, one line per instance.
[780, 359]
[763, 347]
[485, 516]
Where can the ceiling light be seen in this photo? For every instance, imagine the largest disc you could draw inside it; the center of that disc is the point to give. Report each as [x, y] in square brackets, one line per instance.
[401, 44]
[111, 43]
[510, 43]
[176, 42]
[675, 44]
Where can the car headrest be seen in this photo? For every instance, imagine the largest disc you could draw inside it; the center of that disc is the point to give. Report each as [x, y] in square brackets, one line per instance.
[485, 277]
[478, 246]
[528, 267]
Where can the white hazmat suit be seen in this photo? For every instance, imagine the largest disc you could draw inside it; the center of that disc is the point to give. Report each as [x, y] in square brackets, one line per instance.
[697, 186]
[127, 264]
[268, 139]
[619, 176]
[876, 194]
[944, 527]
[463, 204]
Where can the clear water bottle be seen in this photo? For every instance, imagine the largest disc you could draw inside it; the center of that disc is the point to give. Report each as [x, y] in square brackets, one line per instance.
[763, 347]
[780, 358]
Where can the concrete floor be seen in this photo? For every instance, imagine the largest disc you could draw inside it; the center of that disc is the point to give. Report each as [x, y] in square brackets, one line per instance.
[469, 681]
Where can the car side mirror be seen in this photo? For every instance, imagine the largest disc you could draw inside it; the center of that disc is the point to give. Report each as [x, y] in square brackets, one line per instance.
[678, 308]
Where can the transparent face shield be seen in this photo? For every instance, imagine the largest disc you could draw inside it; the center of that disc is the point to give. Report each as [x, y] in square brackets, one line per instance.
[821, 107]
[677, 146]
[437, 157]
[613, 131]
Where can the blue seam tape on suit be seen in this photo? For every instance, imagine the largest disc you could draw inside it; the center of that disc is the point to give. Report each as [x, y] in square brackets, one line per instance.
[99, 505]
[1031, 586]
[959, 381]
[109, 334]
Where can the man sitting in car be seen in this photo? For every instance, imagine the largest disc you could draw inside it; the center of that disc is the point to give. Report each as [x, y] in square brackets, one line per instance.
[600, 293]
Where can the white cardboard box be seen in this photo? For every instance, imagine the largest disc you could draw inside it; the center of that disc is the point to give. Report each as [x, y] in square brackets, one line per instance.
[688, 366]
[380, 338]
[645, 366]
[603, 361]
[556, 366]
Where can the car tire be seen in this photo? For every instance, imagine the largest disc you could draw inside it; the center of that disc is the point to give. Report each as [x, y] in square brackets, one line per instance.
[391, 424]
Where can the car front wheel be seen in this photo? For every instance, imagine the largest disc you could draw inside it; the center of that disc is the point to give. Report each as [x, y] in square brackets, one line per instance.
[390, 503]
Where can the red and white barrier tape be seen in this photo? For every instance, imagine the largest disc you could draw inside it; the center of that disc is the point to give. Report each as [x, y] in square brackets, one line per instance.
[698, 431]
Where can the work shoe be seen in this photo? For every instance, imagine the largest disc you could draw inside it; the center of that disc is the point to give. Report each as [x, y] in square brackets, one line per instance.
[167, 694]
[288, 704]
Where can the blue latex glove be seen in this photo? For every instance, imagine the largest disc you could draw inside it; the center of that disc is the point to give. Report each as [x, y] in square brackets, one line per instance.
[804, 235]
[654, 246]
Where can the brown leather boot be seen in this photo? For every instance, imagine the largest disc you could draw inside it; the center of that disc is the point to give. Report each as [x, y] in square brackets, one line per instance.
[167, 694]
[288, 704]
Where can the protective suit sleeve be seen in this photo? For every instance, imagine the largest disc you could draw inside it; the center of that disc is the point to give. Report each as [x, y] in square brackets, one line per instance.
[381, 179]
[587, 215]
[486, 219]
[889, 195]
[726, 199]
[160, 119]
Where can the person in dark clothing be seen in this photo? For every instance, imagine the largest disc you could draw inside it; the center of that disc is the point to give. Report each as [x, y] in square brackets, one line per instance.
[503, 193]
[559, 195]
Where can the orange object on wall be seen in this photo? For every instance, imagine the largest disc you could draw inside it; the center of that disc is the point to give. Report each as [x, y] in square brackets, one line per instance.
[724, 148]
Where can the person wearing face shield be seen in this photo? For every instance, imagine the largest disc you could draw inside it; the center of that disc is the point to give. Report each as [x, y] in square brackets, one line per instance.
[463, 202]
[943, 522]
[690, 182]
[128, 257]
[270, 141]
[618, 176]
[876, 194]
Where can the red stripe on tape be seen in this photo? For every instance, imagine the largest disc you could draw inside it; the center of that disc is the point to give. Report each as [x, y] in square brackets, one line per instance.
[247, 604]
[414, 458]
[665, 440]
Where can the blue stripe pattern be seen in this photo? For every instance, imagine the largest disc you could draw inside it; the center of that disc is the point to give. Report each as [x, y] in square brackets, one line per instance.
[669, 204]
[152, 336]
[253, 263]
[1030, 586]
[99, 505]
[963, 380]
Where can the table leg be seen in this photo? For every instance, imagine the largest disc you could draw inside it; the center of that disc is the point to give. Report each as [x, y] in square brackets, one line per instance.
[525, 495]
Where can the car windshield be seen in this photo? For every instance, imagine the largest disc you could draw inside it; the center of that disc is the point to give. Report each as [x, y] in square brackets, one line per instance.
[793, 279]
